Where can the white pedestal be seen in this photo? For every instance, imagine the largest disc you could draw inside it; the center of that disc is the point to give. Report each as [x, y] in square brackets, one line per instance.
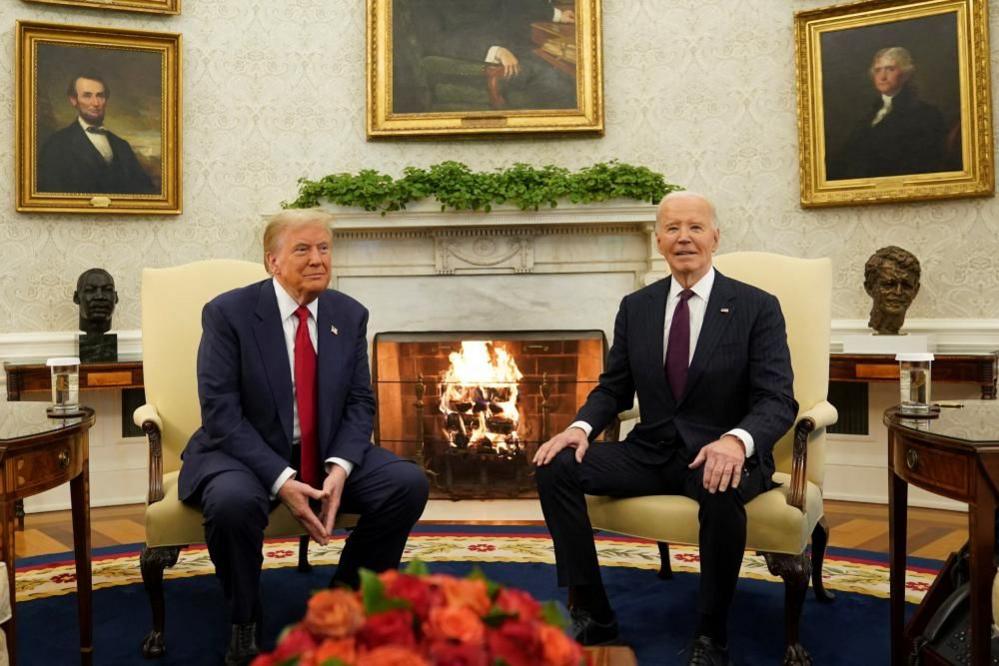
[887, 344]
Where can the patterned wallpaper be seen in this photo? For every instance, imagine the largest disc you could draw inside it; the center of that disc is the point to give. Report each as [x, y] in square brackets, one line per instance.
[702, 90]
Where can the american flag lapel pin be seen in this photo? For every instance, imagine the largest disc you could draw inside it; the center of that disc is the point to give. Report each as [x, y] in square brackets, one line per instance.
[724, 310]
[334, 330]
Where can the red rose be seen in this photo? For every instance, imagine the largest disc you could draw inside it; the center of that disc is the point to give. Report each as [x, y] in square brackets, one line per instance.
[519, 603]
[516, 643]
[557, 648]
[454, 623]
[390, 628]
[264, 660]
[296, 642]
[444, 653]
[411, 589]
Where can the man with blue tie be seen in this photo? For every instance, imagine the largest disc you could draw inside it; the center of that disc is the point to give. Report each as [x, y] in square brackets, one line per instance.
[708, 358]
[287, 409]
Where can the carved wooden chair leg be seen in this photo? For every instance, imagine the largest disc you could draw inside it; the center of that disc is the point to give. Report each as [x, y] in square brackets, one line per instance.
[795, 570]
[152, 562]
[820, 537]
[303, 554]
[665, 565]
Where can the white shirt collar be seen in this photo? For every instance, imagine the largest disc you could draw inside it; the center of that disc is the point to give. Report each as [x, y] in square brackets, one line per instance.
[84, 124]
[287, 304]
[702, 287]
[886, 99]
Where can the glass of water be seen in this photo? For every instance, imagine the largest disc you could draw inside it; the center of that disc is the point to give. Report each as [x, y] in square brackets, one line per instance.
[65, 385]
[914, 375]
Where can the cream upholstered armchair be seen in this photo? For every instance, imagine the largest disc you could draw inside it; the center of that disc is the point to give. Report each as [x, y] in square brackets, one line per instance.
[172, 299]
[781, 520]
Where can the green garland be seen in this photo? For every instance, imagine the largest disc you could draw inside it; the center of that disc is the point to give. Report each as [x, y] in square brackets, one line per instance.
[457, 187]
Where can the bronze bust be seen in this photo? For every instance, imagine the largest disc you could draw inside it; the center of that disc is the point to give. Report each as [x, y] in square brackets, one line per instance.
[96, 296]
[891, 278]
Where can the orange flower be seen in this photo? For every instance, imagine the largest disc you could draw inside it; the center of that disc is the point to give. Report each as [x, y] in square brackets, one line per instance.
[557, 648]
[455, 623]
[391, 655]
[465, 592]
[334, 614]
[342, 649]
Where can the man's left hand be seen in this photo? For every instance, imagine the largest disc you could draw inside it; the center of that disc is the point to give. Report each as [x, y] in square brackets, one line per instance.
[333, 487]
[723, 460]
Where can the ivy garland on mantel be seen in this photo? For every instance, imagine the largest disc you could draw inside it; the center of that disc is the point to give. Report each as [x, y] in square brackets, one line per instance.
[457, 187]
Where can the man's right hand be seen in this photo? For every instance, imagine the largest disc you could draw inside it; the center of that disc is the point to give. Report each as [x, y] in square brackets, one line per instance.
[511, 66]
[296, 495]
[570, 437]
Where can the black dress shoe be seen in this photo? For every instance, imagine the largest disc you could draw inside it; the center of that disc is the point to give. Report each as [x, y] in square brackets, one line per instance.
[705, 652]
[243, 646]
[587, 631]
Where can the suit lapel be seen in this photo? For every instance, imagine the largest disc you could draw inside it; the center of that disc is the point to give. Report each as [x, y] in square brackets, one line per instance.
[715, 324]
[269, 334]
[655, 332]
[328, 362]
[86, 149]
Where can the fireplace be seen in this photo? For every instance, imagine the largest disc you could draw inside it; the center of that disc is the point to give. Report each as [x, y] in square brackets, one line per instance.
[472, 407]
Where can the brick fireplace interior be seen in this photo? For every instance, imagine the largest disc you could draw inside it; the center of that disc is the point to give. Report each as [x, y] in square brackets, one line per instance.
[473, 407]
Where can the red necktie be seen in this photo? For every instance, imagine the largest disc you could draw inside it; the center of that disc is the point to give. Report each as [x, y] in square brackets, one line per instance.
[305, 396]
[678, 346]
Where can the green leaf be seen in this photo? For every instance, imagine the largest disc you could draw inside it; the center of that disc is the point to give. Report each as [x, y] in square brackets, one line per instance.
[290, 661]
[551, 613]
[416, 567]
[496, 617]
[333, 661]
[373, 595]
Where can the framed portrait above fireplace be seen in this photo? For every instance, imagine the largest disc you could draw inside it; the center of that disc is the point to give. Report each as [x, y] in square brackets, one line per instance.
[894, 102]
[480, 67]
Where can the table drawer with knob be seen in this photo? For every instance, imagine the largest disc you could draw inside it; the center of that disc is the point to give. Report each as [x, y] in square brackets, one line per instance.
[943, 472]
[35, 470]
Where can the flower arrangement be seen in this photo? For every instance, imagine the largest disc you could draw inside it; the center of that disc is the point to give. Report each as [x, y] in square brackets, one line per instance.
[413, 618]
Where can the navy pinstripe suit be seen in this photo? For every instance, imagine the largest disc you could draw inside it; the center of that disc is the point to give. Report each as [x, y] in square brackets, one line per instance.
[740, 377]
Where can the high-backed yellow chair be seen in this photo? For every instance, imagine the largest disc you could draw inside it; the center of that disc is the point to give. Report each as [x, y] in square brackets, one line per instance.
[172, 299]
[781, 520]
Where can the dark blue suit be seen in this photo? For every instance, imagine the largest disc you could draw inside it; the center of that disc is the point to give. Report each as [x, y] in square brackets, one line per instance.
[245, 442]
[740, 377]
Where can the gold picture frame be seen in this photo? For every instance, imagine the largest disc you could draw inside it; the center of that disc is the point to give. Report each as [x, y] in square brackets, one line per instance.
[483, 67]
[80, 148]
[894, 102]
[146, 6]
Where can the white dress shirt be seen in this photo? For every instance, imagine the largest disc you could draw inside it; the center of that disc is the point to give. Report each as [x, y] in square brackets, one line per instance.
[289, 322]
[99, 139]
[696, 305]
[883, 111]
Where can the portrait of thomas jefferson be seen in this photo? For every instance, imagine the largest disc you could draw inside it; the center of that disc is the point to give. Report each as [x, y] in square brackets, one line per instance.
[891, 99]
[98, 121]
[469, 55]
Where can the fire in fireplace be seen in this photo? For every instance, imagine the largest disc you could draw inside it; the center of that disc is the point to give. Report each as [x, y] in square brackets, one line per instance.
[472, 408]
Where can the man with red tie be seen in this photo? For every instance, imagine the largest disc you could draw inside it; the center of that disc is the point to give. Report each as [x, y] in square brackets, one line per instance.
[708, 358]
[287, 409]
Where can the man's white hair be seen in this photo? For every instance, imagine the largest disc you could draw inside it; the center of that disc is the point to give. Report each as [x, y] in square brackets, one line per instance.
[686, 194]
[897, 54]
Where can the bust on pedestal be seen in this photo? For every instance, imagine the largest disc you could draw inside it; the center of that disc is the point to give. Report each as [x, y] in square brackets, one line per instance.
[891, 279]
[96, 296]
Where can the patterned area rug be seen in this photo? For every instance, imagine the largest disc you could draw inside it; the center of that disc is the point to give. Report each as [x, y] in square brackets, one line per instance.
[844, 570]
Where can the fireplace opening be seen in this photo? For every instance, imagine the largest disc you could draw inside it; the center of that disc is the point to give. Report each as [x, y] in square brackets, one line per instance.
[472, 407]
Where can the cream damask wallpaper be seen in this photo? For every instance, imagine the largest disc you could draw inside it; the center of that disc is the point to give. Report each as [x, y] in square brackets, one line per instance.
[702, 90]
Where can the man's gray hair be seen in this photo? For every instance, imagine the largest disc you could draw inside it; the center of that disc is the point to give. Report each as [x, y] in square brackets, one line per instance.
[278, 224]
[897, 54]
[686, 194]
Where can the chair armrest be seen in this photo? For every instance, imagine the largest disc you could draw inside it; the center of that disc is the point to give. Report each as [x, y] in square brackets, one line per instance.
[819, 416]
[148, 418]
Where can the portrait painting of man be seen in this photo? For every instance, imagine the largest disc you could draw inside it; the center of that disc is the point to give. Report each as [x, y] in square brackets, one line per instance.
[440, 67]
[892, 99]
[99, 121]
[894, 102]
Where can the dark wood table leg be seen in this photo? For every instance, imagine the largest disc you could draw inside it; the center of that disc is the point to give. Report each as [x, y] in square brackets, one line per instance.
[981, 532]
[898, 492]
[79, 490]
[8, 518]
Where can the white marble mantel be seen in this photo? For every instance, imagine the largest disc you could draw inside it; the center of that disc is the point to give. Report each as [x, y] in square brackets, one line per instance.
[558, 268]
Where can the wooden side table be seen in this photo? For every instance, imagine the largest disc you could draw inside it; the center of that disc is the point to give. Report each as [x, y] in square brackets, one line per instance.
[38, 453]
[980, 369]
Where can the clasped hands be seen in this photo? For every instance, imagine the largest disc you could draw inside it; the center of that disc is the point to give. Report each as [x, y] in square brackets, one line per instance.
[723, 459]
[296, 496]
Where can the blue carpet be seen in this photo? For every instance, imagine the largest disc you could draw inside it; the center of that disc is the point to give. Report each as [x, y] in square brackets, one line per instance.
[655, 617]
